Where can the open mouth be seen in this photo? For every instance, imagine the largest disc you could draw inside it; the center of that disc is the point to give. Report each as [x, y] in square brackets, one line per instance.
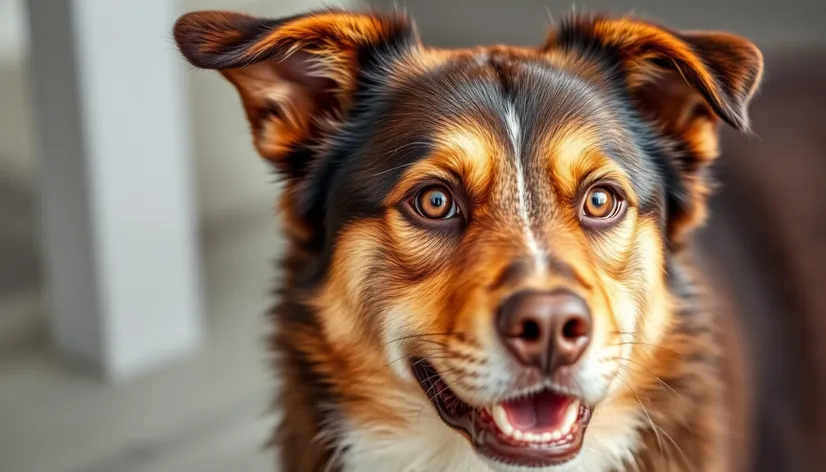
[540, 430]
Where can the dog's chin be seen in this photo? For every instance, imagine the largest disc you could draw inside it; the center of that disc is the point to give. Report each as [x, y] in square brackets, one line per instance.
[540, 431]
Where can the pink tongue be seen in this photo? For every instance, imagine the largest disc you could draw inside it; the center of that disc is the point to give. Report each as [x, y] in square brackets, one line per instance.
[542, 411]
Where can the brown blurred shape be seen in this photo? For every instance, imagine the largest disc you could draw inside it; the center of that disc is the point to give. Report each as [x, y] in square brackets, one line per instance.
[766, 241]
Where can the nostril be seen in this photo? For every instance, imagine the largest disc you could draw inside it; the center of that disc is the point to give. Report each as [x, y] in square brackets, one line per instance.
[574, 329]
[545, 330]
[530, 331]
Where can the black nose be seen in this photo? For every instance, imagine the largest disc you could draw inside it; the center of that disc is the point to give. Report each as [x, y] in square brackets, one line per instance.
[545, 330]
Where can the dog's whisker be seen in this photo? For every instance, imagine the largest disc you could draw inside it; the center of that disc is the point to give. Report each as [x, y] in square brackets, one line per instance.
[423, 335]
[656, 346]
[391, 363]
[645, 410]
[656, 377]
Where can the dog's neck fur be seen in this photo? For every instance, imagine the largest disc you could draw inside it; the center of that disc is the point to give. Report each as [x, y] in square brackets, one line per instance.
[674, 426]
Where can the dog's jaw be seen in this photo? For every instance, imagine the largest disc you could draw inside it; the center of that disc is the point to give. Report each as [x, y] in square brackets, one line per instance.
[427, 444]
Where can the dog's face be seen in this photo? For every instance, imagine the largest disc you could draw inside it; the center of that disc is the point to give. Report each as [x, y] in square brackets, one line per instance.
[488, 229]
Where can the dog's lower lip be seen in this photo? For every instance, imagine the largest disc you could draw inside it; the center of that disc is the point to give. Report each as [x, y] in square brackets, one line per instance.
[541, 430]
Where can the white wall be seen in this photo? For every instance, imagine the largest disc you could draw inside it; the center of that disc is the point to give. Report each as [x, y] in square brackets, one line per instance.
[11, 28]
[230, 176]
[15, 142]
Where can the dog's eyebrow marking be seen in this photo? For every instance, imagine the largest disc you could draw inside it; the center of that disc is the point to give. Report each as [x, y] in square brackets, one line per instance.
[469, 153]
[515, 135]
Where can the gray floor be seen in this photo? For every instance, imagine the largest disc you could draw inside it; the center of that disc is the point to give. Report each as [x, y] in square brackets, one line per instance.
[206, 413]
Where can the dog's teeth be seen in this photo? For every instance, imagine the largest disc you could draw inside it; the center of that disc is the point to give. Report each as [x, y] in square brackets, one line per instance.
[571, 414]
[567, 426]
[501, 420]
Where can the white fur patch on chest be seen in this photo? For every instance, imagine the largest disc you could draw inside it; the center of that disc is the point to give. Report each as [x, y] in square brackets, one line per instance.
[425, 445]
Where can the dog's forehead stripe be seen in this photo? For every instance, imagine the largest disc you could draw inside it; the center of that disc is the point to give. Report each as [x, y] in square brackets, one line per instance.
[515, 134]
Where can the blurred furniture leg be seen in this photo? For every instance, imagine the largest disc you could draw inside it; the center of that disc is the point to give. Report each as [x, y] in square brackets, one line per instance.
[120, 240]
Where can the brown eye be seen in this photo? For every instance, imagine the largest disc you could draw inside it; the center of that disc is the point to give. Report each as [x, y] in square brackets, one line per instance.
[436, 203]
[601, 203]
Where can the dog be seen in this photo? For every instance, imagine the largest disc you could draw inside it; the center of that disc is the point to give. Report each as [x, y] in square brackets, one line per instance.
[490, 261]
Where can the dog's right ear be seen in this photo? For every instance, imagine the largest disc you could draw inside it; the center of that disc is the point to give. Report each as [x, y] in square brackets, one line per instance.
[296, 76]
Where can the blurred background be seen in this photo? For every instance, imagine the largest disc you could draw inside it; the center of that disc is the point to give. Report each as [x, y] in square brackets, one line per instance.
[137, 231]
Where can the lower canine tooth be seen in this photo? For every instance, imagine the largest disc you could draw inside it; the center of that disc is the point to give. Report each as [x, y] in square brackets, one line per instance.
[517, 435]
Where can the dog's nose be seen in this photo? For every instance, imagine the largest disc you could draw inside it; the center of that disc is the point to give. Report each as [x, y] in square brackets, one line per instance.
[545, 330]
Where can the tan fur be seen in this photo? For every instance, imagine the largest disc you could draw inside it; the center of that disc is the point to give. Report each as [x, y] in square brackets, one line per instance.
[392, 289]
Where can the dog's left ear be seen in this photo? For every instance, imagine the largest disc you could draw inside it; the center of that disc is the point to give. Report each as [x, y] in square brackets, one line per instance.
[682, 82]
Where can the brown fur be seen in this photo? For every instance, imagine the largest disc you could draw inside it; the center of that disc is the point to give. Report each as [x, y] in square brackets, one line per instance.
[301, 82]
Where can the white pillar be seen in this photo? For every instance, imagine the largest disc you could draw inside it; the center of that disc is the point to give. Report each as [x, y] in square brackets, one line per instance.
[118, 218]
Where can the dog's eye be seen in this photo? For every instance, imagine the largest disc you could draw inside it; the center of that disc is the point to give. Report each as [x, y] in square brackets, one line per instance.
[436, 203]
[601, 203]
